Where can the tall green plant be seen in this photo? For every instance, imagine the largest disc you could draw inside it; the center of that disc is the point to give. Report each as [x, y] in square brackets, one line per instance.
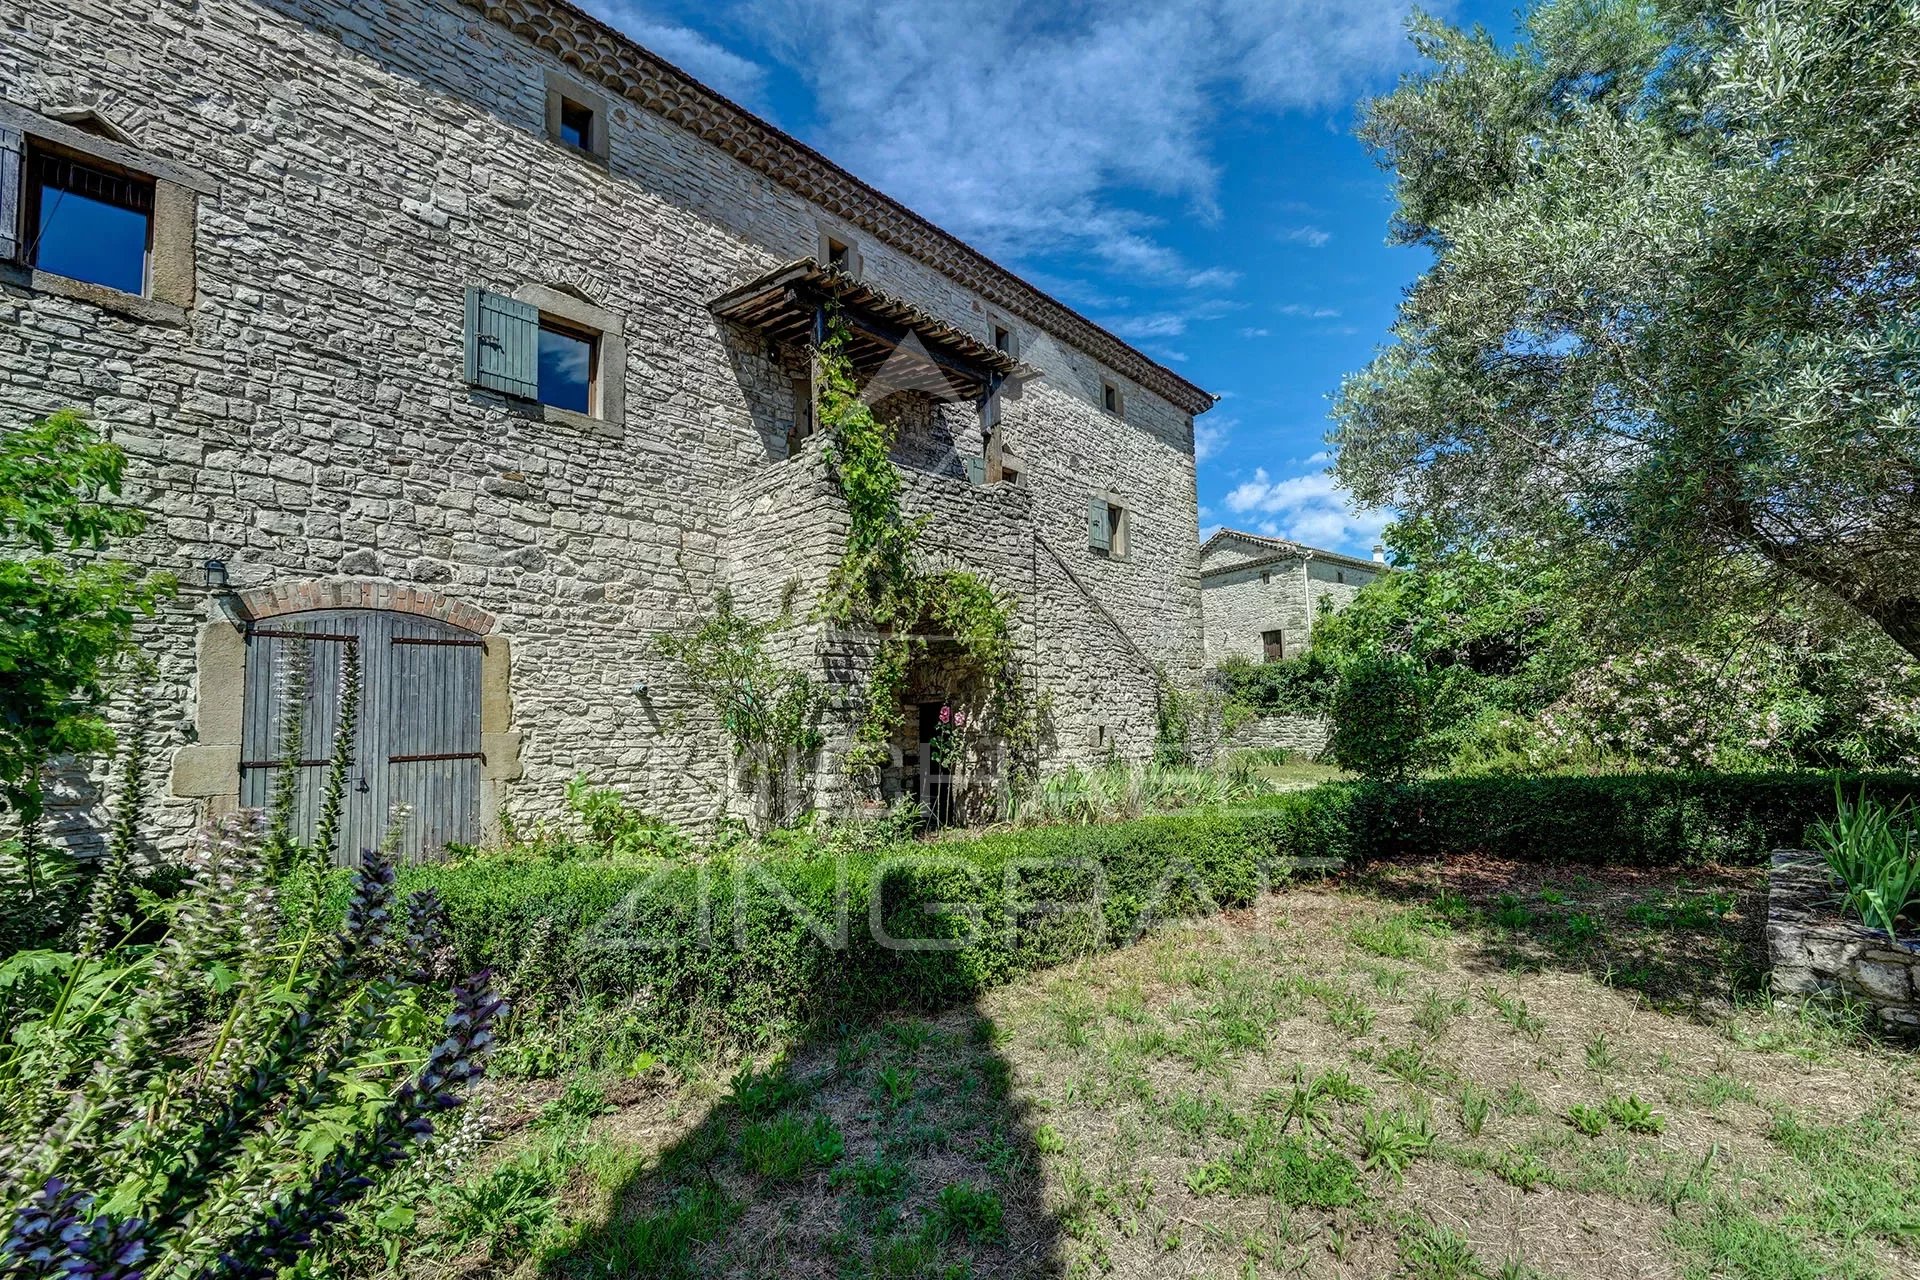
[882, 583]
[1873, 852]
[326, 838]
[203, 1108]
[67, 608]
[295, 679]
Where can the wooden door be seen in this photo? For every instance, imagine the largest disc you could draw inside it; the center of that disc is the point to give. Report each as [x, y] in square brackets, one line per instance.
[415, 758]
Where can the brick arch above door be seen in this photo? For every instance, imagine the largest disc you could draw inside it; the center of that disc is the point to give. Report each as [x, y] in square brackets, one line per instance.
[208, 768]
[279, 598]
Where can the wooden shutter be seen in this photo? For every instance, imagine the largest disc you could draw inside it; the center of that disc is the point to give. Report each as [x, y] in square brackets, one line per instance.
[503, 344]
[1097, 536]
[12, 153]
[976, 467]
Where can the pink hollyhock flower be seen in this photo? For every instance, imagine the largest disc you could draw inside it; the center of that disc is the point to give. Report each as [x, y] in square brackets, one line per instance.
[946, 715]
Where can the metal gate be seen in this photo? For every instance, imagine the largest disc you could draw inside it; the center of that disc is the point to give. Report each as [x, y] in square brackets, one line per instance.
[416, 743]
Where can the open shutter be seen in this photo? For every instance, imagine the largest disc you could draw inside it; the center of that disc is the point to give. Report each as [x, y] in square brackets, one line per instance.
[1097, 525]
[503, 344]
[976, 467]
[12, 153]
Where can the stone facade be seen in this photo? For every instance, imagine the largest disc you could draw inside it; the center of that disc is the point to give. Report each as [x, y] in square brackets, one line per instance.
[1251, 586]
[1814, 949]
[1303, 735]
[299, 413]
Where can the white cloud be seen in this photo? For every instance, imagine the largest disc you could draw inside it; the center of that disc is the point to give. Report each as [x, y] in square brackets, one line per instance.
[1311, 236]
[1016, 127]
[712, 64]
[1208, 530]
[1310, 508]
[1298, 311]
[1209, 435]
[1256, 333]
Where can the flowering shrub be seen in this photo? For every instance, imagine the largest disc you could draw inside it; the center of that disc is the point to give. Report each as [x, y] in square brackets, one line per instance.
[202, 1107]
[949, 738]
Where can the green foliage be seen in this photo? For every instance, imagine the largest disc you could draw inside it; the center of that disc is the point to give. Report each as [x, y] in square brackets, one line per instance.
[614, 828]
[1300, 686]
[881, 583]
[1872, 849]
[1117, 792]
[206, 1105]
[790, 1146]
[1669, 318]
[1382, 712]
[1295, 1170]
[770, 713]
[966, 1212]
[67, 610]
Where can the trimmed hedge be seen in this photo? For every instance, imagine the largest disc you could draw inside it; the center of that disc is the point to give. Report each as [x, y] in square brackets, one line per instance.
[738, 949]
[1642, 820]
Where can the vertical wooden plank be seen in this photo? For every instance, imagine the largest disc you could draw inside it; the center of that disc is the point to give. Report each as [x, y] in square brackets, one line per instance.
[13, 236]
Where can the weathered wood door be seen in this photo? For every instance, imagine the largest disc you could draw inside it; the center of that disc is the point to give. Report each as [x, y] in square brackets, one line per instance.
[416, 742]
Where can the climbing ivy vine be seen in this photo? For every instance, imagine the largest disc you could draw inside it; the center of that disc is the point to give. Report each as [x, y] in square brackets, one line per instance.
[883, 583]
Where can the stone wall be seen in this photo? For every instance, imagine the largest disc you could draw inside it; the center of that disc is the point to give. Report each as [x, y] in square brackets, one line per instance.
[1815, 949]
[1303, 735]
[308, 421]
[1244, 597]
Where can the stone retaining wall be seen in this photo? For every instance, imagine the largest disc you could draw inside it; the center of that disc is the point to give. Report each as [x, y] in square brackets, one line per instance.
[1814, 949]
[1306, 735]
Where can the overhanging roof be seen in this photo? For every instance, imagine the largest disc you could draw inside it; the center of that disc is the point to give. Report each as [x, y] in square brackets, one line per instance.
[606, 57]
[916, 350]
[1281, 549]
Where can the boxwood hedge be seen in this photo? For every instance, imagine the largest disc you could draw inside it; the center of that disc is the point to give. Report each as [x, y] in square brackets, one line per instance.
[735, 948]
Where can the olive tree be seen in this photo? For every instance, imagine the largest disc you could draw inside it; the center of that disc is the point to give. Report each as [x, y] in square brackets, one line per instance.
[1670, 321]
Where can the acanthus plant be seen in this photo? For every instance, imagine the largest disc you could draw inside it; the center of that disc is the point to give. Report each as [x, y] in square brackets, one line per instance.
[202, 1107]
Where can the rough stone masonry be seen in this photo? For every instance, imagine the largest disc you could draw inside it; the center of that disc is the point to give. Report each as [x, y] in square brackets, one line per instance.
[333, 185]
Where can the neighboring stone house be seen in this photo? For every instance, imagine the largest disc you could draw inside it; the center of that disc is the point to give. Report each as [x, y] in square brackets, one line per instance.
[475, 336]
[1260, 596]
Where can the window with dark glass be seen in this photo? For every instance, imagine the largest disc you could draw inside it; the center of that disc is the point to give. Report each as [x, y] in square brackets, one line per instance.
[88, 221]
[1002, 338]
[576, 124]
[568, 366]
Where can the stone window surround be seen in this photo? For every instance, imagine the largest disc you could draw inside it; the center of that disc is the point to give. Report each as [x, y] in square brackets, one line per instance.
[1120, 540]
[177, 189]
[561, 86]
[1110, 388]
[610, 413]
[823, 252]
[208, 768]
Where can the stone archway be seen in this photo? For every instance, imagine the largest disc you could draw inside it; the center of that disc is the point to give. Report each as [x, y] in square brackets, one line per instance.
[209, 768]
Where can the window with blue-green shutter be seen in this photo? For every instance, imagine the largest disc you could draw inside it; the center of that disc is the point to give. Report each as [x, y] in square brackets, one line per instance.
[503, 344]
[1099, 531]
[976, 467]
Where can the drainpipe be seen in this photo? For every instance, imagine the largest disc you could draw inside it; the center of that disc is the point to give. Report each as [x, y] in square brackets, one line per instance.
[1306, 591]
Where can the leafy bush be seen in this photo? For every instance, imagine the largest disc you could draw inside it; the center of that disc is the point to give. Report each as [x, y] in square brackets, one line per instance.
[1874, 852]
[66, 612]
[205, 1106]
[1301, 686]
[1381, 717]
[743, 945]
[1123, 791]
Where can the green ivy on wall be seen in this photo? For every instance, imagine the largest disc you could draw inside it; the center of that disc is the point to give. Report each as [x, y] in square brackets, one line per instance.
[882, 583]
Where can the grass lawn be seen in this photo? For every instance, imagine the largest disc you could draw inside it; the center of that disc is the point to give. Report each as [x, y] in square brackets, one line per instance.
[1477, 1070]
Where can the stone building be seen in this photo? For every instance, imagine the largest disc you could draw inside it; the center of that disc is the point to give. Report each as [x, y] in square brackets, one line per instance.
[1260, 596]
[471, 336]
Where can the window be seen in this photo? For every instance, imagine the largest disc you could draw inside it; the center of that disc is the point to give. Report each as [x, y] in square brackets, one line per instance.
[577, 116]
[1266, 577]
[569, 366]
[839, 254]
[551, 347]
[87, 221]
[1107, 528]
[576, 124]
[1273, 646]
[1003, 339]
[1339, 575]
[1112, 400]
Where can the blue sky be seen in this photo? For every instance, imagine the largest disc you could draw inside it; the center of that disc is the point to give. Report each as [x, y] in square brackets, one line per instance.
[1183, 173]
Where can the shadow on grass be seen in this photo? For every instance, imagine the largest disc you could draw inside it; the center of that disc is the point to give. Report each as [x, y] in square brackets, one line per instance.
[1692, 941]
[894, 1149]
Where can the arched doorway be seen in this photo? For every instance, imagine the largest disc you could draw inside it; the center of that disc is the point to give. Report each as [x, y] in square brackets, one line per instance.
[417, 745]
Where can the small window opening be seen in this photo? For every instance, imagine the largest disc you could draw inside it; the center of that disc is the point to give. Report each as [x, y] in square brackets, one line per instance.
[1116, 530]
[1266, 577]
[1002, 338]
[576, 124]
[1339, 575]
[89, 222]
[569, 366]
[1273, 646]
[1110, 398]
[839, 254]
